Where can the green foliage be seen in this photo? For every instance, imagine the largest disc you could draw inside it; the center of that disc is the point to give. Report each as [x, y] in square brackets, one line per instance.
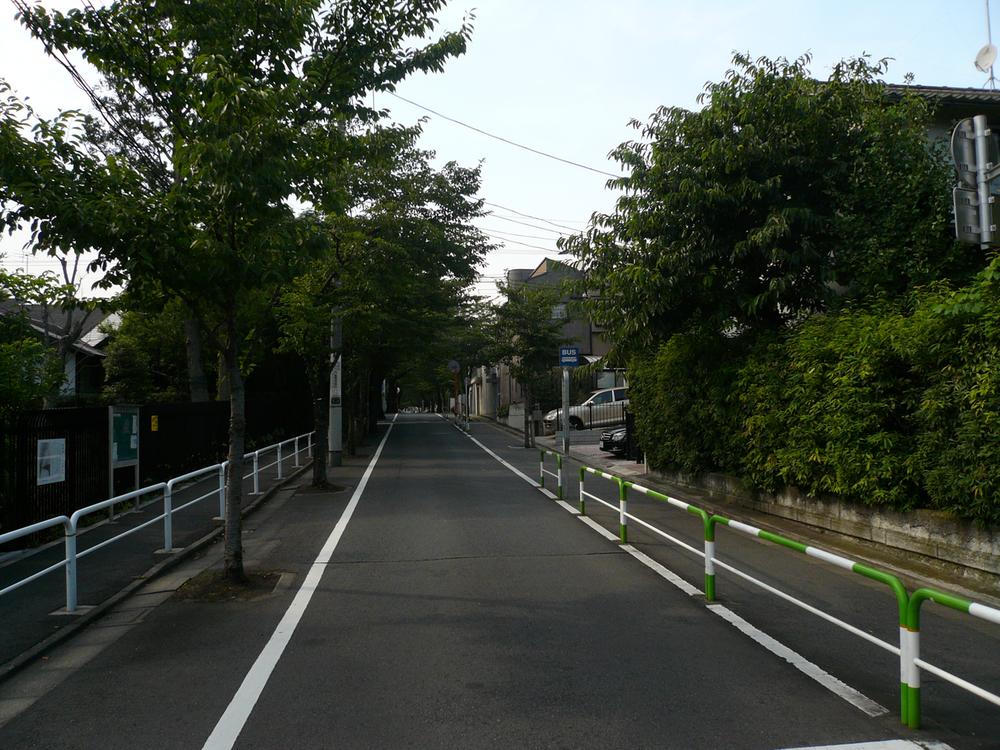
[29, 371]
[685, 404]
[524, 336]
[783, 196]
[894, 405]
[146, 361]
[829, 408]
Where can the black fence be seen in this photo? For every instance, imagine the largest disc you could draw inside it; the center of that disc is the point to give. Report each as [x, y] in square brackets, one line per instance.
[177, 438]
[23, 499]
[173, 439]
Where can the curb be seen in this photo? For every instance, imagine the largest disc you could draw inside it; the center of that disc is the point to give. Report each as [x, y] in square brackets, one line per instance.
[99, 610]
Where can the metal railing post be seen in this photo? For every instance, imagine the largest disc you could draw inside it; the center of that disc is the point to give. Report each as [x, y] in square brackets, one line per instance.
[279, 460]
[309, 445]
[583, 502]
[708, 523]
[70, 534]
[559, 481]
[168, 518]
[622, 511]
[222, 488]
[541, 467]
[297, 451]
[256, 475]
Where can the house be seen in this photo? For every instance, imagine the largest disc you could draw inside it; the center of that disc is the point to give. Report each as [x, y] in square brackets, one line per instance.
[493, 389]
[952, 104]
[77, 335]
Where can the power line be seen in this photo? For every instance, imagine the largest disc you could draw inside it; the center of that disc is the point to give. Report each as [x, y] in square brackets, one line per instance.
[505, 140]
[529, 216]
[515, 234]
[533, 226]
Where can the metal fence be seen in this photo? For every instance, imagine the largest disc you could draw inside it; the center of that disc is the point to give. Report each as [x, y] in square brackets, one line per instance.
[173, 439]
[23, 500]
[906, 605]
[162, 491]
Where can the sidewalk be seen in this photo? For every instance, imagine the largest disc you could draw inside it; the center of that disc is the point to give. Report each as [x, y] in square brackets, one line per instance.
[32, 621]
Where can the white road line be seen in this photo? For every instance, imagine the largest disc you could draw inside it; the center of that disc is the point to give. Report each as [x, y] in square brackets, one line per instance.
[228, 729]
[550, 495]
[514, 469]
[567, 507]
[827, 680]
[882, 745]
[668, 574]
[598, 528]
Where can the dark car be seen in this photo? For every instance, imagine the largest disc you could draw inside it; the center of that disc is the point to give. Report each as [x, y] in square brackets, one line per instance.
[613, 441]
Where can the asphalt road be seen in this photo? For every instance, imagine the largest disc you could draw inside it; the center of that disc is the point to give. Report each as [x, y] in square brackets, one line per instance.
[459, 608]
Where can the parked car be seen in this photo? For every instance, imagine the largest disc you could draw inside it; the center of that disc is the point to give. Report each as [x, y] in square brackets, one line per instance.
[603, 408]
[614, 441]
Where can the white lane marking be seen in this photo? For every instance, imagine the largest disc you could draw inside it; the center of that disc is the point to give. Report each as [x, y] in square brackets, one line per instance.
[514, 469]
[827, 680]
[849, 694]
[550, 495]
[567, 507]
[882, 745]
[598, 528]
[226, 732]
[662, 570]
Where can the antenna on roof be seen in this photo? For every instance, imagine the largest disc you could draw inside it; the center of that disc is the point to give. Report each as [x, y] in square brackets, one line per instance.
[988, 54]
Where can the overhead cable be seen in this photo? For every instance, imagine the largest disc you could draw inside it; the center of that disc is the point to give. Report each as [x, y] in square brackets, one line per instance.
[505, 140]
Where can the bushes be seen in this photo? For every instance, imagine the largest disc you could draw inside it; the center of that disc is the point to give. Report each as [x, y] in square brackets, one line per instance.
[829, 409]
[686, 407]
[896, 404]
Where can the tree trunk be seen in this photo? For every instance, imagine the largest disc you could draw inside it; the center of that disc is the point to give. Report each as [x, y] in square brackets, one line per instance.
[319, 383]
[197, 381]
[233, 555]
[529, 433]
[222, 390]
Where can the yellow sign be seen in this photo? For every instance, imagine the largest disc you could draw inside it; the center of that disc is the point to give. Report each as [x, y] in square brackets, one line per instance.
[154, 423]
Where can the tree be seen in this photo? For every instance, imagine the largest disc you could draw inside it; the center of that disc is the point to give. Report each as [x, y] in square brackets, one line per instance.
[784, 195]
[232, 109]
[30, 371]
[146, 356]
[526, 338]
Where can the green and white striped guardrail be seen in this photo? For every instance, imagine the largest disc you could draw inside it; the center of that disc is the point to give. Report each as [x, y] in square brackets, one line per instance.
[910, 650]
[542, 471]
[908, 605]
[622, 506]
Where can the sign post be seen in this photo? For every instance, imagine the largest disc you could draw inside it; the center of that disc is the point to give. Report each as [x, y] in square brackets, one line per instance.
[569, 356]
[123, 444]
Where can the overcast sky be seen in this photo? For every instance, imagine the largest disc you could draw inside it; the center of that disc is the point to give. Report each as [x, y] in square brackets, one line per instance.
[566, 76]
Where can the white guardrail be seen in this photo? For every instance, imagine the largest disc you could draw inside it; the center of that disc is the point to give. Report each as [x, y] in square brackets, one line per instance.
[71, 525]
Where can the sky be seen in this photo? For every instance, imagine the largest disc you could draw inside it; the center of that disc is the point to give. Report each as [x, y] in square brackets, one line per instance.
[565, 77]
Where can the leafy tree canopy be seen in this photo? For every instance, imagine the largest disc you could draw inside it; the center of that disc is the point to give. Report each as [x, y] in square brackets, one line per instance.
[782, 196]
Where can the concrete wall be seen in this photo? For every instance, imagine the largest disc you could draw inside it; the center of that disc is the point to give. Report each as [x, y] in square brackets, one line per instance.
[963, 548]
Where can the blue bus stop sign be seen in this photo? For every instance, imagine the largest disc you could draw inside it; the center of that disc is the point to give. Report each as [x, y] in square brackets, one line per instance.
[569, 356]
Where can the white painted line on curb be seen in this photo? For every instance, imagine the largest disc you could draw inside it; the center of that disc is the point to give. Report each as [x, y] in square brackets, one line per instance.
[827, 680]
[228, 729]
[668, 574]
[881, 745]
[567, 507]
[550, 495]
[598, 528]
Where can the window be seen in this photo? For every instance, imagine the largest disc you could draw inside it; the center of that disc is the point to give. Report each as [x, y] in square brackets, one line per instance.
[621, 394]
[604, 397]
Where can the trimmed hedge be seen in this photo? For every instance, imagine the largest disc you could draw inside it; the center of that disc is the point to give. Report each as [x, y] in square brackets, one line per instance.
[895, 404]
